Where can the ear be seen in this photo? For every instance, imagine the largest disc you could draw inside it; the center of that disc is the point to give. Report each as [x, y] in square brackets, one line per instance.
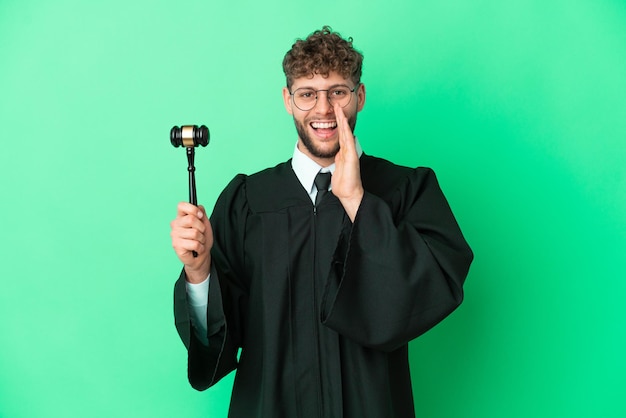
[287, 100]
[360, 97]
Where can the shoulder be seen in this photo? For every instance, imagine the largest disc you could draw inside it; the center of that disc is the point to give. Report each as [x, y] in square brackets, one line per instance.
[381, 175]
[266, 190]
[271, 175]
[243, 182]
[408, 192]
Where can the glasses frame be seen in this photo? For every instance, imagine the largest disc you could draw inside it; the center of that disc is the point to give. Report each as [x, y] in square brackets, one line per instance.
[317, 95]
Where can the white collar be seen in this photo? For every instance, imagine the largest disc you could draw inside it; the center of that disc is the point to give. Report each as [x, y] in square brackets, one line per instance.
[306, 169]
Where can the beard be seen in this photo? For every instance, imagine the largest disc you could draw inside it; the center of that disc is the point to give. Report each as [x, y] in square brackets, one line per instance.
[310, 144]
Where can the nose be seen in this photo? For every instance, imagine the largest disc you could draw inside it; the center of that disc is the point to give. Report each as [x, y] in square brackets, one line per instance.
[322, 105]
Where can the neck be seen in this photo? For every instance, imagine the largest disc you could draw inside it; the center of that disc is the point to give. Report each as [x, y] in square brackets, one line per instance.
[321, 161]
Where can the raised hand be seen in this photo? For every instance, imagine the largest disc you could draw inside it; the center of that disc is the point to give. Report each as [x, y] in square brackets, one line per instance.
[346, 180]
[191, 231]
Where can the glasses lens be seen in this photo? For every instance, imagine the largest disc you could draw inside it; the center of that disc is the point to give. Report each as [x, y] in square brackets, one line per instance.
[305, 99]
[340, 96]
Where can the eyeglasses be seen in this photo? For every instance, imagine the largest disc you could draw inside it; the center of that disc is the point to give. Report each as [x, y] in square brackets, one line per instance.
[305, 98]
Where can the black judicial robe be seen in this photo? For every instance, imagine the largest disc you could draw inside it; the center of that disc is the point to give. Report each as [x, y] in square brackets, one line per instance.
[321, 308]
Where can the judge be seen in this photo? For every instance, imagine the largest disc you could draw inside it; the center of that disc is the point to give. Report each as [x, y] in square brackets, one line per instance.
[311, 277]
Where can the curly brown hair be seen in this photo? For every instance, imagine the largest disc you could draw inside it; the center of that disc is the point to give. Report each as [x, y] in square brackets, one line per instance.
[322, 52]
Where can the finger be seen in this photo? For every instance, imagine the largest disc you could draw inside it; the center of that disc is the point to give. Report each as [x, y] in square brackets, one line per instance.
[185, 208]
[183, 238]
[190, 216]
[341, 117]
[189, 222]
[204, 217]
[184, 248]
[188, 234]
[208, 229]
[346, 139]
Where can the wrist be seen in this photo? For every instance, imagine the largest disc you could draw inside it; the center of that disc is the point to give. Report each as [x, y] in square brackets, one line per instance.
[198, 274]
[351, 204]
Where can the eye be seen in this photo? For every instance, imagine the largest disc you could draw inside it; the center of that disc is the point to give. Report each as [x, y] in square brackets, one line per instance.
[338, 93]
[305, 94]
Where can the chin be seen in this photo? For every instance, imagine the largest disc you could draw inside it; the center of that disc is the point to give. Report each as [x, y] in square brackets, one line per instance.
[328, 151]
[319, 147]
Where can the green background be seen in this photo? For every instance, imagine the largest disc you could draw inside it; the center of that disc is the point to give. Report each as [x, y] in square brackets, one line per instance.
[519, 106]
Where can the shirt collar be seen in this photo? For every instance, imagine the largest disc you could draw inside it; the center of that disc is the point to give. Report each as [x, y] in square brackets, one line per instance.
[306, 169]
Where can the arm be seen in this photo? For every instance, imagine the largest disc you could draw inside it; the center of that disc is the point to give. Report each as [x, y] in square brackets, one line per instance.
[192, 231]
[397, 273]
[198, 299]
[206, 364]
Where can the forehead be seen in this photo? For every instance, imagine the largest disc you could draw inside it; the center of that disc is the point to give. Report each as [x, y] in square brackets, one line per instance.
[318, 82]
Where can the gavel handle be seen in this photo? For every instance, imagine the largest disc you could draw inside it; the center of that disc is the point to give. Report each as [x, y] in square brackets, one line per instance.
[192, 181]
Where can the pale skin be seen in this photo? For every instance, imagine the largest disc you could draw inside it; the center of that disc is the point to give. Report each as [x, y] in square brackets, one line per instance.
[191, 230]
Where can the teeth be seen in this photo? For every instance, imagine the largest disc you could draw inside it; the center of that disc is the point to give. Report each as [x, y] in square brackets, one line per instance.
[324, 125]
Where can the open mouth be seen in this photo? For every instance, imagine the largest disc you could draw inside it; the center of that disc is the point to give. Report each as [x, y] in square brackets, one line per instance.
[324, 129]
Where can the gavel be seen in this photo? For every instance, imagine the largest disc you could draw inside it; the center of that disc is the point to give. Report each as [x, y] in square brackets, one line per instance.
[190, 136]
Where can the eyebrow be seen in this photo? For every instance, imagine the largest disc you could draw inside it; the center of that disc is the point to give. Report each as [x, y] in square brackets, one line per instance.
[329, 88]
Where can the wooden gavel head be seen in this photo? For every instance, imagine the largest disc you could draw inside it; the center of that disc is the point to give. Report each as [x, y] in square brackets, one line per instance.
[189, 136]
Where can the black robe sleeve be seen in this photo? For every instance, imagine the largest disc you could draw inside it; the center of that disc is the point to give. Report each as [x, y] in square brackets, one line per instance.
[401, 266]
[208, 364]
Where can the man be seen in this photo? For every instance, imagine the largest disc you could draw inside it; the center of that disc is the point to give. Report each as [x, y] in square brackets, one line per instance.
[321, 290]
